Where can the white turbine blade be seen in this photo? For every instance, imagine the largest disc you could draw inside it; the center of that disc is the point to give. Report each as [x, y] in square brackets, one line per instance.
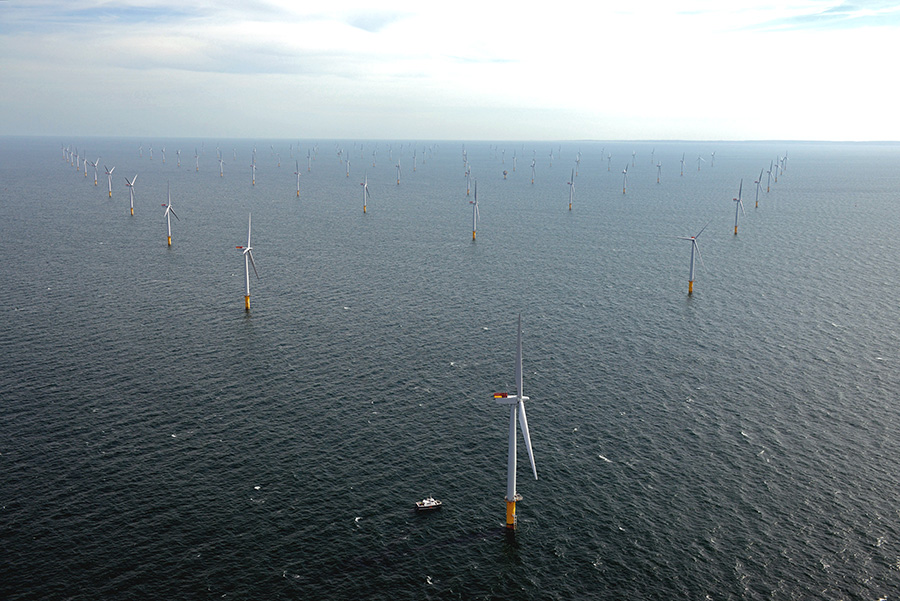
[699, 256]
[741, 204]
[250, 255]
[704, 227]
[519, 382]
[523, 422]
[249, 217]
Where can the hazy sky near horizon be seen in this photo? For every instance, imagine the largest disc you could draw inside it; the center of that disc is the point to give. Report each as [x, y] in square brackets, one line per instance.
[396, 69]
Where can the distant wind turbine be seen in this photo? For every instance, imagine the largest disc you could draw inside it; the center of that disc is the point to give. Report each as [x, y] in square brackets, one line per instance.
[109, 173]
[624, 178]
[658, 169]
[682, 164]
[769, 178]
[474, 204]
[297, 173]
[169, 211]
[700, 159]
[94, 165]
[712, 162]
[516, 409]
[694, 247]
[758, 183]
[738, 204]
[130, 185]
[532, 171]
[248, 261]
[253, 174]
[365, 186]
[398, 173]
[571, 189]
[632, 157]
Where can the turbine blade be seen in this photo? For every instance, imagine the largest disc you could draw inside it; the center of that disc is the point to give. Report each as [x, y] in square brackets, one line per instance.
[701, 231]
[699, 256]
[523, 422]
[250, 254]
[519, 382]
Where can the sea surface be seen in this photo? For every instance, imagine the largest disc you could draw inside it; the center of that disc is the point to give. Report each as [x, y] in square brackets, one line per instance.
[159, 442]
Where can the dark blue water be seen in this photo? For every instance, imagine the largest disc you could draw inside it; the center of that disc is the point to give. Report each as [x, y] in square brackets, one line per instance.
[156, 441]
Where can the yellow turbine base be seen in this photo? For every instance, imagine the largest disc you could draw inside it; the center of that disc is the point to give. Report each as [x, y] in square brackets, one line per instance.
[690, 286]
[511, 515]
[735, 230]
[247, 302]
[364, 208]
[169, 238]
[473, 234]
[570, 206]
[132, 210]
[298, 193]
[757, 205]
[110, 194]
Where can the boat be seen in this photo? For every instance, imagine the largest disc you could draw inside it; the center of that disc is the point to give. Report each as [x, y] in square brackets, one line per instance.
[428, 504]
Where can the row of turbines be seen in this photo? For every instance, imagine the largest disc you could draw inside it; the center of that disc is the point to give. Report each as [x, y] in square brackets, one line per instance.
[515, 402]
[777, 165]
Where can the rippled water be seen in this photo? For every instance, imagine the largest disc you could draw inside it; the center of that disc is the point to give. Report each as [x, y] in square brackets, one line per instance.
[159, 442]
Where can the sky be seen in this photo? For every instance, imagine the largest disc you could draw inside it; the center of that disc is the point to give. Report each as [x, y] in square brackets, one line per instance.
[461, 70]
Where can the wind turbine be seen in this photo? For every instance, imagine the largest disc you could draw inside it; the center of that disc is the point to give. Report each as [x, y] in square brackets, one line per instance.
[571, 189]
[253, 173]
[130, 185]
[713, 160]
[178, 157]
[608, 160]
[197, 159]
[221, 167]
[297, 173]
[758, 183]
[163, 150]
[365, 186]
[474, 211]
[468, 180]
[632, 157]
[682, 164]
[94, 165]
[700, 159]
[625, 178]
[109, 173]
[769, 177]
[248, 261]
[348, 165]
[308, 159]
[398, 172]
[532, 171]
[694, 247]
[516, 408]
[738, 204]
[169, 210]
